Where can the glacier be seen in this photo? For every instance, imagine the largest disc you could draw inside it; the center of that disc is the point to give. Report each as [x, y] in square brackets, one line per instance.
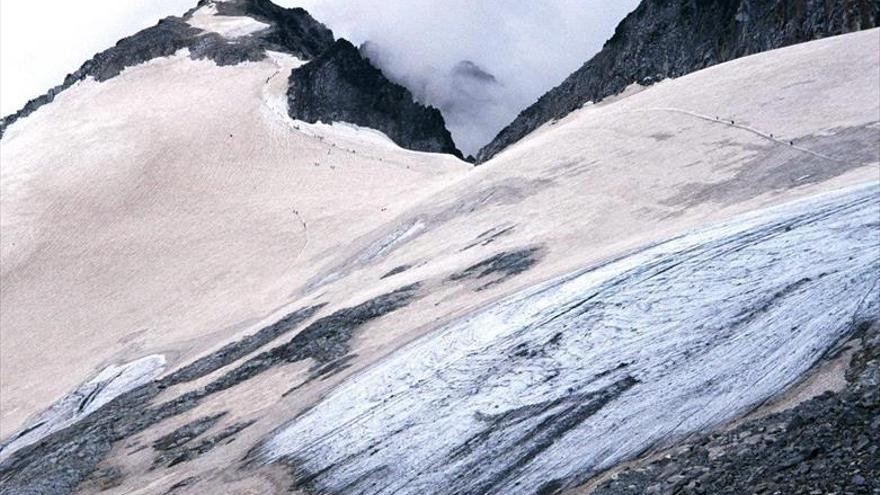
[550, 386]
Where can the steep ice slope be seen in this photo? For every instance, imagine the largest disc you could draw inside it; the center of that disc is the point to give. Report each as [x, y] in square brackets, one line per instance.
[540, 391]
[179, 224]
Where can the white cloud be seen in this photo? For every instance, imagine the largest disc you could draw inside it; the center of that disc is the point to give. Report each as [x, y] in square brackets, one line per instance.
[528, 46]
[43, 41]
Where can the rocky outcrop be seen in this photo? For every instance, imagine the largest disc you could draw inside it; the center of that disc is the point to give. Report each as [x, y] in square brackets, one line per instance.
[342, 86]
[671, 38]
[829, 444]
[291, 30]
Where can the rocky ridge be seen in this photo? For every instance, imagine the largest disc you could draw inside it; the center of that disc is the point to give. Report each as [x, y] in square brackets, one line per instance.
[342, 85]
[350, 90]
[175, 33]
[671, 38]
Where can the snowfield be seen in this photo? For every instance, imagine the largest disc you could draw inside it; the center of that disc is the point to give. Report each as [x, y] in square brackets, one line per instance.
[649, 266]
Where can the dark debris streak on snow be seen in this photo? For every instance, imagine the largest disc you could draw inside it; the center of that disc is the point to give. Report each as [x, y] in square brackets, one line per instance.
[58, 463]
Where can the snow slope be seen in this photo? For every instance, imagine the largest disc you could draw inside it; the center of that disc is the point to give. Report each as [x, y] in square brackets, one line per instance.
[169, 222]
[175, 208]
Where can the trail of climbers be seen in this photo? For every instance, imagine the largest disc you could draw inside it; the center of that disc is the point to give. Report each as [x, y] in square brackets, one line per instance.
[732, 123]
[280, 112]
[305, 233]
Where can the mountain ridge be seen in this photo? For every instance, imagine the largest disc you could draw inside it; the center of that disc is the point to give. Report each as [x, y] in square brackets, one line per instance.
[342, 85]
[292, 31]
[174, 33]
[671, 38]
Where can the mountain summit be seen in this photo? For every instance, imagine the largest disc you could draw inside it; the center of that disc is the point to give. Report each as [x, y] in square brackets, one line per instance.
[229, 32]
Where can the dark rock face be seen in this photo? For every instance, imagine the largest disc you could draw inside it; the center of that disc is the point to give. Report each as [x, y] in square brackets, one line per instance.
[236, 350]
[829, 444]
[326, 340]
[342, 86]
[292, 31]
[395, 271]
[490, 236]
[671, 38]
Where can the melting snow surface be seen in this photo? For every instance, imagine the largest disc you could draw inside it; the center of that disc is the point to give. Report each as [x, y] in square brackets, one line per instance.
[591, 369]
[110, 383]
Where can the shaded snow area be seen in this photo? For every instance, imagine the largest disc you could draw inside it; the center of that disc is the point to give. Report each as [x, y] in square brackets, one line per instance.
[207, 19]
[545, 388]
[110, 383]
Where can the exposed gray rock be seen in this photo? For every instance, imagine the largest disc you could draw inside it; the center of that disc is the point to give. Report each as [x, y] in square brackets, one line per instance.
[232, 352]
[490, 236]
[828, 444]
[395, 271]
[187, 482]
[184, 454]
[326, 340]
[671, 38]
[292, 30]
[187, 432]
[342, 86]
[500, 267]
[103, 479]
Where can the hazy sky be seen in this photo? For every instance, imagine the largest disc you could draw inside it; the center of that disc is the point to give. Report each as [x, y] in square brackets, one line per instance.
[43, 41]
[527, 46]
